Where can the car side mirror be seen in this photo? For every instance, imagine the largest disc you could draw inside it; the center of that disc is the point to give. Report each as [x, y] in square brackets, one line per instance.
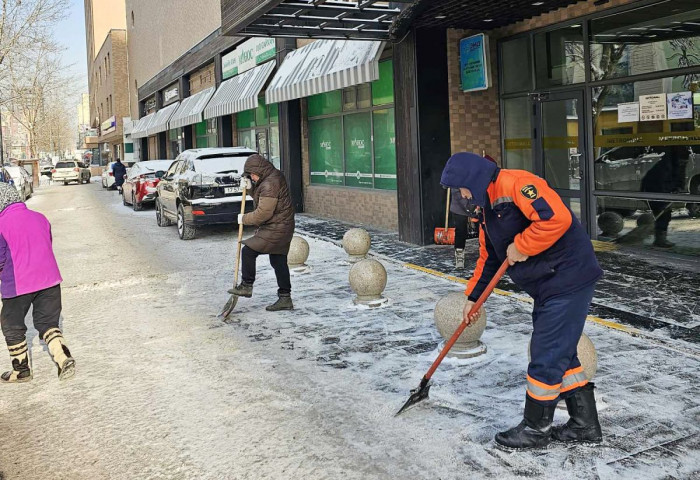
[160, 174]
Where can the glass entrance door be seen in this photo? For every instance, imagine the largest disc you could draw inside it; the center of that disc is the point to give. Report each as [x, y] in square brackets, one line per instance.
[261, 143]
[558, 147]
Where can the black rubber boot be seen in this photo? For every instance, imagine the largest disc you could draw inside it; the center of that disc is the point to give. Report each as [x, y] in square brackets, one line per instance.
[535, 431]
[661, 241]
[242, 290]
[583, 425]
[284, 302]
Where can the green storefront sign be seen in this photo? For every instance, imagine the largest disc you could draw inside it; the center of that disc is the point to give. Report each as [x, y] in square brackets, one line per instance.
[358, 150]
[249, 54]
[384, 149]
[326, 149]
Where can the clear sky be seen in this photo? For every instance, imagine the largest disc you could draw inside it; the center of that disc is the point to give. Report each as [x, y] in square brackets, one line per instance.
[71, 34]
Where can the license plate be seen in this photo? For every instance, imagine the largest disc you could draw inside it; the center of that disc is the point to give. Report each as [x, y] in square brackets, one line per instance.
[228, 190]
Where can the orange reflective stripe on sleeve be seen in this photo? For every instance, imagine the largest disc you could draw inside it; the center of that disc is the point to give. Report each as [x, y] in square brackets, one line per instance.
[541, 391]
[479, 269]
[544, 208]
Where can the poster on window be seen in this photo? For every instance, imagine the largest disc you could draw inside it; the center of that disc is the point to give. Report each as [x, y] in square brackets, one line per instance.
[627, 112]
[696, 110]
[358, 150]
[652, 107]
[326, 151]
[680, 105]
[384, 149]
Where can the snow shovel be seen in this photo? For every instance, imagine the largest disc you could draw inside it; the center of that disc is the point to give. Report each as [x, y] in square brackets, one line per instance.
[445, 236]
[233, 300]
[421, 393]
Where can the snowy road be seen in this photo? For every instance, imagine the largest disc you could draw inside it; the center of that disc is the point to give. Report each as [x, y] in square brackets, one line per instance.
[164, 390]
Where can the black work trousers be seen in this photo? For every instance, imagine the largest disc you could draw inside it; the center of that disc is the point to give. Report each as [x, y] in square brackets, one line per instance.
[464, 229]
[45, 314]
[279, 264]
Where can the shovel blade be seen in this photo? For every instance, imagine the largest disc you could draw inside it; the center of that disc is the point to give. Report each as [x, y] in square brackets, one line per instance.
[228, 308]
[417, 395]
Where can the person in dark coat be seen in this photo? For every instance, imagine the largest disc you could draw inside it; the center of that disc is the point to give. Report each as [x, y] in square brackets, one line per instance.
[119, 170]
[274, 217]
[464, 226]
[525, 222]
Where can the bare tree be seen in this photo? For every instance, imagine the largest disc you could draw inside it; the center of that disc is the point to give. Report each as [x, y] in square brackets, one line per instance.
[25, 23]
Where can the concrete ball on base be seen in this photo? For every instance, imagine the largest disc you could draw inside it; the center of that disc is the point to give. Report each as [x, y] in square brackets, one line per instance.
[368, 280]
[448, 315]
[587, 355]
[297, 256]
[356, 243]
[610, 223]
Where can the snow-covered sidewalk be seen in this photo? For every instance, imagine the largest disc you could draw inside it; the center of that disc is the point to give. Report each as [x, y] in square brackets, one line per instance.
[166, 390]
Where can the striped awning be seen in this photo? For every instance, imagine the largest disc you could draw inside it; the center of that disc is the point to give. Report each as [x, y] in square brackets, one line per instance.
[191, 108]
[323, 66]
[141, 126]
[161, 118]
[239, 93]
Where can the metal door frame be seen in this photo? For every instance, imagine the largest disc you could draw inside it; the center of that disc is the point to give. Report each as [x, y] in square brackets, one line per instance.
[584, 193]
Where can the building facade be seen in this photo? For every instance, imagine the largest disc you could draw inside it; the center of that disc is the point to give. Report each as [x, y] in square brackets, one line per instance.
[601, 98]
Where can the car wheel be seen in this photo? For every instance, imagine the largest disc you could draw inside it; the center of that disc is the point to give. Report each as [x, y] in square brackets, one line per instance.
[65, 183]
[135, 205]
[103, 184]
[186, 232]
[161, 219]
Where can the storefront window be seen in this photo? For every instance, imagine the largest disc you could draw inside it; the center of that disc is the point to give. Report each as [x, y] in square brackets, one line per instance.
[176, 141]
[205, 133]
[517, 61]
[518, 130]
[383, 89]
[354, 141]
[326, 151]
[559, 57]
[258, 130]
[647, 142]
[261, 115]
[245, 119]
[648, 39]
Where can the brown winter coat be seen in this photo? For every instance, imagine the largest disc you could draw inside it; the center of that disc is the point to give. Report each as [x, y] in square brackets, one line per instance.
[274, 213]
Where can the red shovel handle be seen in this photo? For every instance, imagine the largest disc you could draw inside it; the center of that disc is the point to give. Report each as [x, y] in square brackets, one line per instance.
[475, 308]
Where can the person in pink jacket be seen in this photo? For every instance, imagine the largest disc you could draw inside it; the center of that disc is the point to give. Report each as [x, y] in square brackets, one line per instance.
[29, 277]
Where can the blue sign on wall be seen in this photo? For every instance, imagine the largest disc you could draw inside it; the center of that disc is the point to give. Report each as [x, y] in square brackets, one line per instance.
[474, 63]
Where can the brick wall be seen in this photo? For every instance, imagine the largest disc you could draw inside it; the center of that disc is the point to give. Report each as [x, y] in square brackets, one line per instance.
[376, 208]
[475, 117]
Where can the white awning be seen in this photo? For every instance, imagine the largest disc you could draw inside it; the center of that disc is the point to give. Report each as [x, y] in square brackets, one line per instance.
[323, 66]
[239, 93]
[161, 118]
[191, 108]
[141, 126]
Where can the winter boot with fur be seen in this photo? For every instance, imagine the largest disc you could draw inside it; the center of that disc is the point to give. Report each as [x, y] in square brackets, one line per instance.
[459, 258]
[535, 431]
[20, 364]
[660, 240]
[60, 353]
[242, 290]
[284, 302]
[583, 426]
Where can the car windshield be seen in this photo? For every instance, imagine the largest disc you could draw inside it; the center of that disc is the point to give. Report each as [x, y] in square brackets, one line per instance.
[14, 172]
[65, 165]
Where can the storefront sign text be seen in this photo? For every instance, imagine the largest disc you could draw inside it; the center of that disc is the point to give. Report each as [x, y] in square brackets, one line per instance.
[249, 54]
[652, 107]
[109, 125]
[170, 95]
[627, 112]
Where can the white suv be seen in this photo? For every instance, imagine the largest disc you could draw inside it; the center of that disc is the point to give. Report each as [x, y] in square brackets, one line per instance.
[71, 171]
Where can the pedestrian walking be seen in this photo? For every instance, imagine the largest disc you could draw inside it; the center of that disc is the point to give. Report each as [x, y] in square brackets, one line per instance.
[119, 170]
[552, 259]
[29, 277]
[274, 218]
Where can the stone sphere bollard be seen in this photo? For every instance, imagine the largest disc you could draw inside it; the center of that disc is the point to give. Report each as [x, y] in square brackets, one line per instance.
[368, 280]
[356, 243]
[585, 350]
[448, 316]
[646, 220]
[611, 223]
[297, 256]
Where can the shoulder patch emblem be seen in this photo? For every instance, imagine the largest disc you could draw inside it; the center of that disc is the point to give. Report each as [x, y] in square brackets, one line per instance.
[529, 191]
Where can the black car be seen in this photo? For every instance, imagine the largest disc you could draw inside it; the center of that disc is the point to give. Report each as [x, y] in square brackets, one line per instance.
[202, 187]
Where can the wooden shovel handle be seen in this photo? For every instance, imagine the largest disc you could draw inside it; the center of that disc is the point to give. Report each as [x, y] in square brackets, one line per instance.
[447, 208]
[240, 237]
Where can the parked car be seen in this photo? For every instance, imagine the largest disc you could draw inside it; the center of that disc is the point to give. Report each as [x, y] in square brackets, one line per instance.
[21, 179]
[141, 182]
[71, 171]
[108, 176]
[45, 168]
[202, 187]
